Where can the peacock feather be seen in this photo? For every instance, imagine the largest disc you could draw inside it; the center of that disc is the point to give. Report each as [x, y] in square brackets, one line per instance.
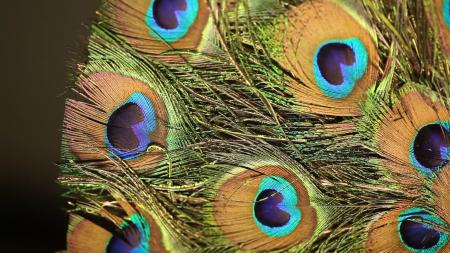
[261, 126]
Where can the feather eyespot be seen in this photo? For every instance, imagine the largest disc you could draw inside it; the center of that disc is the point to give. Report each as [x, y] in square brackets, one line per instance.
[135, 233]
[265, 208]
[414, 135]
[419, 231]
[121, 118]
[334, 67]
[170, 20]
[410, 229]
[156, 27]
[338, 65]
[430, 149]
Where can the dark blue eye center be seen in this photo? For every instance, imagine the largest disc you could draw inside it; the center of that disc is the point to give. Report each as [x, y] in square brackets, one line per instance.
[125, 240]
[119, 127]
[267, 210]
[430, 146]
[330, 58]
[164, 12]
[417, 234]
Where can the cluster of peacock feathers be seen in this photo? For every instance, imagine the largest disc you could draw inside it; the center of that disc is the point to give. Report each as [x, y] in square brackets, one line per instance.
[261, 126]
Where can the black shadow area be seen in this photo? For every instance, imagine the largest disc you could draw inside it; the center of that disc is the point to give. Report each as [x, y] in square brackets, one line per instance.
[39, 40]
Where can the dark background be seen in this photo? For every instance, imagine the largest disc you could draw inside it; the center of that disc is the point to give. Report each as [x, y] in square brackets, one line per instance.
[40, 41]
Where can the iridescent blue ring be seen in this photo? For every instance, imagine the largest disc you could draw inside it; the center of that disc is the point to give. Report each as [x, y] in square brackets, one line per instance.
[288, 205]
[351, 73]
[422, 230]
[445, 152]
[141, 130]
[186, 19]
